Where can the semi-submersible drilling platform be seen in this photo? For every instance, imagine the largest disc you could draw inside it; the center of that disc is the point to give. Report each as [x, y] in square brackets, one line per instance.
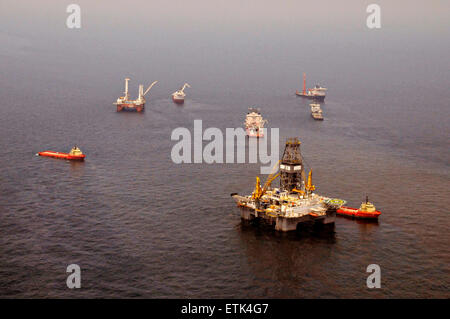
[294, 201]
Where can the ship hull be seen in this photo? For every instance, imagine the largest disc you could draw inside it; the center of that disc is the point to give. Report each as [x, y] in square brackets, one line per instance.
[177, 100]
[356, 213]
[317, 117]
[65, 156]
[310, 96]
[130, 108]
[254, 133]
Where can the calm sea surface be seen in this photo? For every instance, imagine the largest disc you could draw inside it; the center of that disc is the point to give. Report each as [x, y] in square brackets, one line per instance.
[141, 226]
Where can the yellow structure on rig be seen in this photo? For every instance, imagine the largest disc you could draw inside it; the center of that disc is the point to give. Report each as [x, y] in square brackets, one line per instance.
[259, 192]
[309, 185]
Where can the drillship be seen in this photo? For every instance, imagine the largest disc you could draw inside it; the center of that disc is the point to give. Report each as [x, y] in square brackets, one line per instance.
[294, 201]
[254, 123]
[125, 104]
[317, 93]
[178, 96]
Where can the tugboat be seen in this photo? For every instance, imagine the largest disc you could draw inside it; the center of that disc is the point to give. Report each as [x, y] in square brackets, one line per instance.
[178, 96]
[254, 123]
[294, 202]
[124, 104]
[366, 210]
[75, 154]
[316, 93]
[316, 112]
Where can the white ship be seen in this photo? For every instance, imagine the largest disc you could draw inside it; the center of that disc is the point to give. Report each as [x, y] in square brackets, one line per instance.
[178, 96]
[316, 112]
[254, 123]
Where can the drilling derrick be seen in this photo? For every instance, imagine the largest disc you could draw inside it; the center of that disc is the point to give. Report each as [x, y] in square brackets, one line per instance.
[291, 167]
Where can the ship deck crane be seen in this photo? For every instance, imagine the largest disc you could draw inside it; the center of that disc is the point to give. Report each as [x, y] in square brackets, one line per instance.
[180, 92]
[184, 86]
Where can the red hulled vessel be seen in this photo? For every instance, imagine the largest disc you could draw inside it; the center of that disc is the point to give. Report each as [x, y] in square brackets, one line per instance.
[366, 210]
[75, 154]
[178, 96]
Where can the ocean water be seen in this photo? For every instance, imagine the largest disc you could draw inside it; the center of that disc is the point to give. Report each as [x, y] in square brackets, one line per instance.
[141, 226]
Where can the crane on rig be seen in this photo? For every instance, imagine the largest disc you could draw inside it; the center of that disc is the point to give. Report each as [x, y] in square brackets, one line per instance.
[309, 185]
[142, 94]
[259, 192]
[149, 88]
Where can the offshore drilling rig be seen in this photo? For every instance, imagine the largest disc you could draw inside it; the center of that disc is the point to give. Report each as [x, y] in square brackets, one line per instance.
[125, 104]
[294, 201]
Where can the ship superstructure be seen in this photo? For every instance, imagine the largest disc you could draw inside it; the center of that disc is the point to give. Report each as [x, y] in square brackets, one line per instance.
[254, 123]
[125, 104]
[317, 92]
[294, 201]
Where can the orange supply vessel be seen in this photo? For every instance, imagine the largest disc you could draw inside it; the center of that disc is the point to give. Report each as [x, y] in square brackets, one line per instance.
[75, 154]
[366, 210]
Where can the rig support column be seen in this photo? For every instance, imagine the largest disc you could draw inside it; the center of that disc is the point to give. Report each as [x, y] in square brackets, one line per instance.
[126, 89]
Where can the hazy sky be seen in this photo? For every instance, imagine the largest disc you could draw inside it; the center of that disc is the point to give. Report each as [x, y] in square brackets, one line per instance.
[230, 38]
[299, 16]
[243, 50]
